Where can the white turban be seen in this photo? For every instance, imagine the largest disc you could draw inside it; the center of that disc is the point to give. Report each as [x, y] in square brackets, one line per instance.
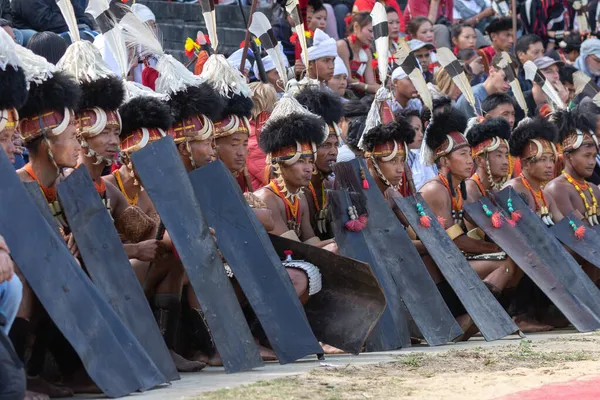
[142, 12]
[399, 74]
[323, 46]
[339, 67]
[235, 60]
[269, 64]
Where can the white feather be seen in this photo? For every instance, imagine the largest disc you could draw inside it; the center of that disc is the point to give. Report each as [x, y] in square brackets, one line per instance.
[530, 70]
[374, 115]
[259, 26]
[66, 9]
[84, 62]
[210, 20]
[401, 54]
[580, 79]
[553, 97]
[135, 32]
[379, 15]
[446, 57]
[290, 6]
[35, 67]
[416, 77]
[224, 78]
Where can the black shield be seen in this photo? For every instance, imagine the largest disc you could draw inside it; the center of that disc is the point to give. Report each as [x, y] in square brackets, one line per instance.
[489, 316]
[107, 349]
[394, 251]
[587, 247]
[108, 265]
[165, 179]
[255, 264]
[527, 252]
[345, 311]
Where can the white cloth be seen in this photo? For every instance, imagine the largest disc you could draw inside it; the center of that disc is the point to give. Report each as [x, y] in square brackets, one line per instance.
[269, 64]
[471, 5]
[142, 12]
[420, 172]
[398, 73]
[235, 60]
[339, 67]
[345, 154]
[413, 104]
[323, 46]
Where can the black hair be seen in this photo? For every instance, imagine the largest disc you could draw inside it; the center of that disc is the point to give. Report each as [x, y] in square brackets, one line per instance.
[355, 108]
[295, 127]
[565, 73]
[568, 121]
[414, 24]
[105, 93]
[5, 22]
[238, 105]
[495, 100]
[458, 28]
[525, 41]
[317, 5]
[48, 45]
[499, 25]
[534, 128]
[356, 126]
[488, 129]
[407, 113]
[194, 100]
[399, 130]
[144, 112]
[439, 104]
[13, 88]
[443, 123]
[390, 9]
[363, 19]
[571, 43]
[322, 102]
[589, 108]
[466, 54]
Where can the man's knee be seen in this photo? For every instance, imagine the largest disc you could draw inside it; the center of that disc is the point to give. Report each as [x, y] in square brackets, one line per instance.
[11, 294]
[299, 279]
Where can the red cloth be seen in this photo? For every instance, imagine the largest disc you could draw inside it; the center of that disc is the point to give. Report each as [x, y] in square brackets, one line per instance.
[416, 8]
[149, 76]
[256, 160]
[489, 53]
[367, 5]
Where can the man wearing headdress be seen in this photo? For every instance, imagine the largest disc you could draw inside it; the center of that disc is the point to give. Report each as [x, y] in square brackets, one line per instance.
[321, 57]
[489, 148]
[445, 195]
[327, 105]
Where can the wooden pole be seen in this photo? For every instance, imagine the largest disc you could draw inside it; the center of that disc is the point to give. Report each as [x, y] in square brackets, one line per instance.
[247, 38]
[513, 5]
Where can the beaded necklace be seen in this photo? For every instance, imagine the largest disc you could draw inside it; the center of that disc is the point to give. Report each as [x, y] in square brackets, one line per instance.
[292, 209]
[457, 201]
[541, 205]
[590, 210]
[119, 180]
[321, 210]
[477, 181]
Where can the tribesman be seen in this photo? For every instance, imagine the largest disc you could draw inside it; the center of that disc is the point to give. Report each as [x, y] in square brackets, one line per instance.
[570, 190]
[489, 149]
[533, 142]
[321, 57]
[446, 195]
[327, 105]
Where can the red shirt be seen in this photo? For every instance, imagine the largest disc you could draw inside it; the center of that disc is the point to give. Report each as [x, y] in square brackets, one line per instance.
[367, 5]
[256, 160]
[416, 8]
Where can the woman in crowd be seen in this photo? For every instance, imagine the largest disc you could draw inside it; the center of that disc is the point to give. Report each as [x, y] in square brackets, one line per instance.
[463, 37]
[420, 28]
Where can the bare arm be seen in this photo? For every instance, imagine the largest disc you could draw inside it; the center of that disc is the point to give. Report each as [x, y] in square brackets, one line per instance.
[273, 203]
[370, 76]
[563, 202]
[433, 10]
[342, 49]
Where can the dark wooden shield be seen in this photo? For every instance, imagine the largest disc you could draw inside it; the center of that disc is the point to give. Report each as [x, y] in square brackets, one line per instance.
[35, 193]
[394, 251]
[564, 267]
[489, 316]
[527, 252]
[110, 354]
[255, 264]
[165, 179]
[345, 311]
[108, 265]
[588, 247]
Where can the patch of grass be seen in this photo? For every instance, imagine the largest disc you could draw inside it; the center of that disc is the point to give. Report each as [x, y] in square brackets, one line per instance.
[413, 360]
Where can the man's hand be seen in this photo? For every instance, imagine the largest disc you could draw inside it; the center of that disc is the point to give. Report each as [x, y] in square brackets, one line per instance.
[7, 268]
[71, 245]
[150, 250]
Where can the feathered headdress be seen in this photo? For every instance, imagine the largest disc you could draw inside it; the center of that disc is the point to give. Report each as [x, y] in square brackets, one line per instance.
[533, 137]
[144, 120]
[445, 134]
[456, 71]
[574, 127]
[488, 135]
[585, 85]
[261, 28]
[386, 140]
[381, 38]
[13, 86]
[325, 104]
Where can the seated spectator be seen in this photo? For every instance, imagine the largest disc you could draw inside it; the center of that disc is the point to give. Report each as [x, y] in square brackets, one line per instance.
[404, 92]
[316, 16]
[536, 97]
[44, 15]
[272, 75]
[420, 28]
[500, 32]
[420, 172]
[422, 52]
[495, 83]
[474, 12]
[528, 48]
[48, 45]
[235, 60]
[570, 48]
[393, 28]
[565, 75]
[444, 86]
[436, 11]
[463, 37]
[499, 105]
[356, 53]
[589, 60]
[367, 6]
[339, 81]
[545, 19]
[473, 65]
[352, 126]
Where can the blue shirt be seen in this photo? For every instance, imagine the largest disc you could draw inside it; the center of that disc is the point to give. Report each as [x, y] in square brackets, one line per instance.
[462, 104]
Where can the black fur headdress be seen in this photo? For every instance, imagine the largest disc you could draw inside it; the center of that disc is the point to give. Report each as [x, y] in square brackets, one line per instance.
[239, 105]
[144, 112]
[194, 100]
[447, 121]
[399, 130]
[568, 121]
[55, 94]
[284, 132]
[322, 102]
[488, 129]
[106, 93]
[535, 128]
[13, 88]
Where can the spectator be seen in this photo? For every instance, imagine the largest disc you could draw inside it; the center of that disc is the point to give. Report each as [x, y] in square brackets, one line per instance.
[544, 19]
[499, 105]
[316, 15]
[474, 12]
[422, 52]
[565, 75]
[355, 52]
[495, 83]
[420, 172]
[463, 37]
[420, 28]
[437, 11]
[393, 28]
[536, 97]
[44, 15]
[444, 86]
[570, 48]
[500, 31]
[339, 82]
[367, 6]
[353, 125]
[405, 94]
[48, 45]
[473, 65]
[529, 48]
[341, 8]
[589, 60]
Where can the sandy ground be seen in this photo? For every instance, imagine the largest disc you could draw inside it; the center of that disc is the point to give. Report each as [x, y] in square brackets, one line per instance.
[476, 373]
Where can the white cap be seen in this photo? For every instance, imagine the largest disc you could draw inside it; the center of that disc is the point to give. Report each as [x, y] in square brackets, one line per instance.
[236, 58]
[399, 73]
[142, 12]
[323, 46]
[339, 67]
[269, 64]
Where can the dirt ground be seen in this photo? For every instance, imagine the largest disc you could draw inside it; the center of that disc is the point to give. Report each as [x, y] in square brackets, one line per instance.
[477, 373]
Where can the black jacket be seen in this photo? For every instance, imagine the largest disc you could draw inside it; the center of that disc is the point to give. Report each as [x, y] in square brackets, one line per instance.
[44, 15]
[5, 10]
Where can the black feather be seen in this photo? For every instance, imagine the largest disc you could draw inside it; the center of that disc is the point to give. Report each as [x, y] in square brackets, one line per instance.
[488, 129]
[144, 112]
[238, 105]
[444, 122]
[322, 102]
[201, 99]
[105, 93]
[568, 121]
[355, 108]
[56, 93]
[536, 128]
[285, 132]
[356, 127]
[13, 88]
[399, 130]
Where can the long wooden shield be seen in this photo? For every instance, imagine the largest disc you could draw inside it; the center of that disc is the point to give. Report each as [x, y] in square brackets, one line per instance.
[564, 267]
[110, 353]
[108, 265]
[165, 179]
[394, 251]
[37, 196]
[527, 252]
[345, 311]
[253, 261]
[489, 316]
[588, 247]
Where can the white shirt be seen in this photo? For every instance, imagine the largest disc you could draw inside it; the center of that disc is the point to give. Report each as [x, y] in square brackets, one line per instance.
[472, 5]
[420, 172]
